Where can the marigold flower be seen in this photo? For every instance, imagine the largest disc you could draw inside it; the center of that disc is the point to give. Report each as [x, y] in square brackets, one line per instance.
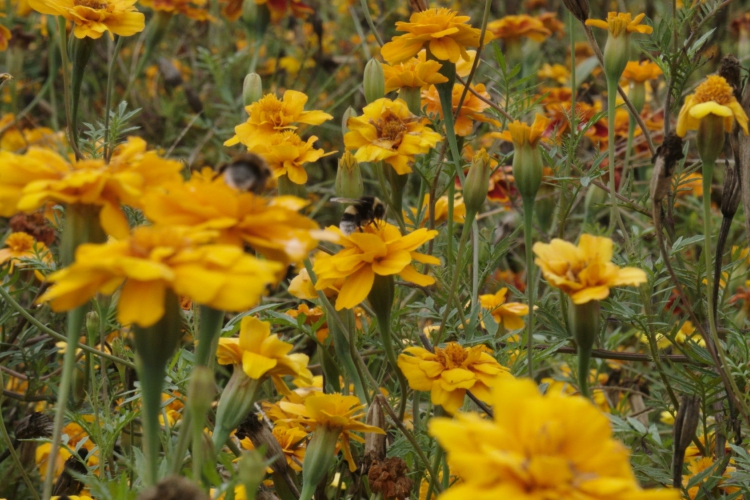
[505, 313]
[40, 176]
[388, 131]
[279, 8]
[261, 354]
[271, 115]
[93, 17]
[413, 73]
[21, 247]
[292, 441]
[286, 153]
[686, 331]
[272, 226]
[513, 28]
[153, 260]
[5, 36]
[451, 371]
[379, 249]
[194, 9]
[556, 72]
[441, 210]
[442, 31]
[585, 272]
[621, 22]
[712, 97]
[699, 467]
[550, 446]
[471, 109]
[16, 139]
[640, 72]
[334, 412]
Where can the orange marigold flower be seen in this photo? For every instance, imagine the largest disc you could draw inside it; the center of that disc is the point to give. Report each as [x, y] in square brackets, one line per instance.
[471, 109]
[556, 72]
[640, 72]
[442, 31]
[93, 17]
[194, 9]
[21, 247]
[507, 314]
[414, 73]
[513, 28]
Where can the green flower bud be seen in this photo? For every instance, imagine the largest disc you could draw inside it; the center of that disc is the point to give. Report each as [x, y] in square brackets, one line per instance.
[349, 177]
[477, 182]
[584, 321]
[616, 55]
[710, 138]
[638, 95]
[374, 81]
[528, 166]
[252, 89]
[236, 401]
[92, 324]
[349, 113]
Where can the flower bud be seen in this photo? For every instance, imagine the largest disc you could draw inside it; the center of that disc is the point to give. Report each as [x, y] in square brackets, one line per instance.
[546, 202]
[638, 95]
[710, 138]
[374, 81]
[584, 321]
[252, 89]
[616, 55]
[349, 113]
[527, 170]
[92, 324]
[477, 182]
[349, 177]
[236, 401]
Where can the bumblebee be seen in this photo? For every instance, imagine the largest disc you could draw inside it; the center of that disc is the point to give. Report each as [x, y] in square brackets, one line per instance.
[247, 172]
[360, 213]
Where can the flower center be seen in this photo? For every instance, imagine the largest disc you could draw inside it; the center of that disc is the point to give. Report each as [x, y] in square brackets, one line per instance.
[715, 89]
[391, 128]
[91, 4]
[20, 242]
[452, 356]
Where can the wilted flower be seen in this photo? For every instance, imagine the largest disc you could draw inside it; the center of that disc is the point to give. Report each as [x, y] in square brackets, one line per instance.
[451, 371]
[91, 18]
[536, 446]
[442, 31]
[377, 250]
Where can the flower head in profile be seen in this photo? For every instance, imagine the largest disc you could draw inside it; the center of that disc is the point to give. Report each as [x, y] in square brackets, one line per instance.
[193, 9]
[471, 110]
[505, 313]
[521, 134]
[412, 73]
[22, 247]
[441, 211]
[585, 272]
[712, 97]
[388, 131]
[292, 441]
[272, 115]
[379, 249]
[91, 18]
[287, 153]
[556, 72]
[41, 176]
[537, 447]
[618, 23]
[154, 260]
[442, 31]
[261, 354]
[513, 28]
[641, 72]
[451, 371]
[334, 412]
[271, 226]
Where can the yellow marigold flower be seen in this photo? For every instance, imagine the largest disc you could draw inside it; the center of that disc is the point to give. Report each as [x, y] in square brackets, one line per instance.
[505, 313]
[261, 354]
[153, 260]
[442, 31]
[5, 36]
[520, 133]
[512, 28]
[451, 371]
[413, 73]
[640, 72]
[619, 22]
[93, 17]
[21, 247]
[17, 139]
[712, 97]
[271, 115]
[293, 442]
[471, 109]
[40, 176]
[286, 153]
[550, 446]
[271, 226]
[441, 210]
[388, 131]
[556, 72]
[335, 412]
[194, 9]
[378, 249]
[585, 272]
[686, 331]
[700, 466]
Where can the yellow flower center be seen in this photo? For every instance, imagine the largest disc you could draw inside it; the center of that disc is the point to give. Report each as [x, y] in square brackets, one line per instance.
[391, 128]
[715, 89]
[452, 356]
[618, 24]
[20, 242]
[91, 4]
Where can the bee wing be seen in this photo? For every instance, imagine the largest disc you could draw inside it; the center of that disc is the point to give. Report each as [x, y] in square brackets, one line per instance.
[345, 200]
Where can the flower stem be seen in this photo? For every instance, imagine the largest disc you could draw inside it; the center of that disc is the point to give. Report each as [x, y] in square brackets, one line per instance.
[528, 222]
[614, 217]
[108, 148]
[63, 31]
[209, 330]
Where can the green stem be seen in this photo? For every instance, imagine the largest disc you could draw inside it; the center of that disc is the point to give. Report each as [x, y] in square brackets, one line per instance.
[614, 217]
[82, 48]
[12, 449]
[209, 331]
[370, 23]
[63, 32]
[528, 220]
[628, 153]
[108, 148]
[343, 348]
[584, 360]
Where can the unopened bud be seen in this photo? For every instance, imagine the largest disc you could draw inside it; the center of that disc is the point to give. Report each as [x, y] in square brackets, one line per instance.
[616, 55]
[528, 168]
[349, 113]
[637, 95]
[710, 138]
[236, 401]
[349, 177]
[252, 89]
[584, 321]
[374, 81]
[92, 324]
[477, 182]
